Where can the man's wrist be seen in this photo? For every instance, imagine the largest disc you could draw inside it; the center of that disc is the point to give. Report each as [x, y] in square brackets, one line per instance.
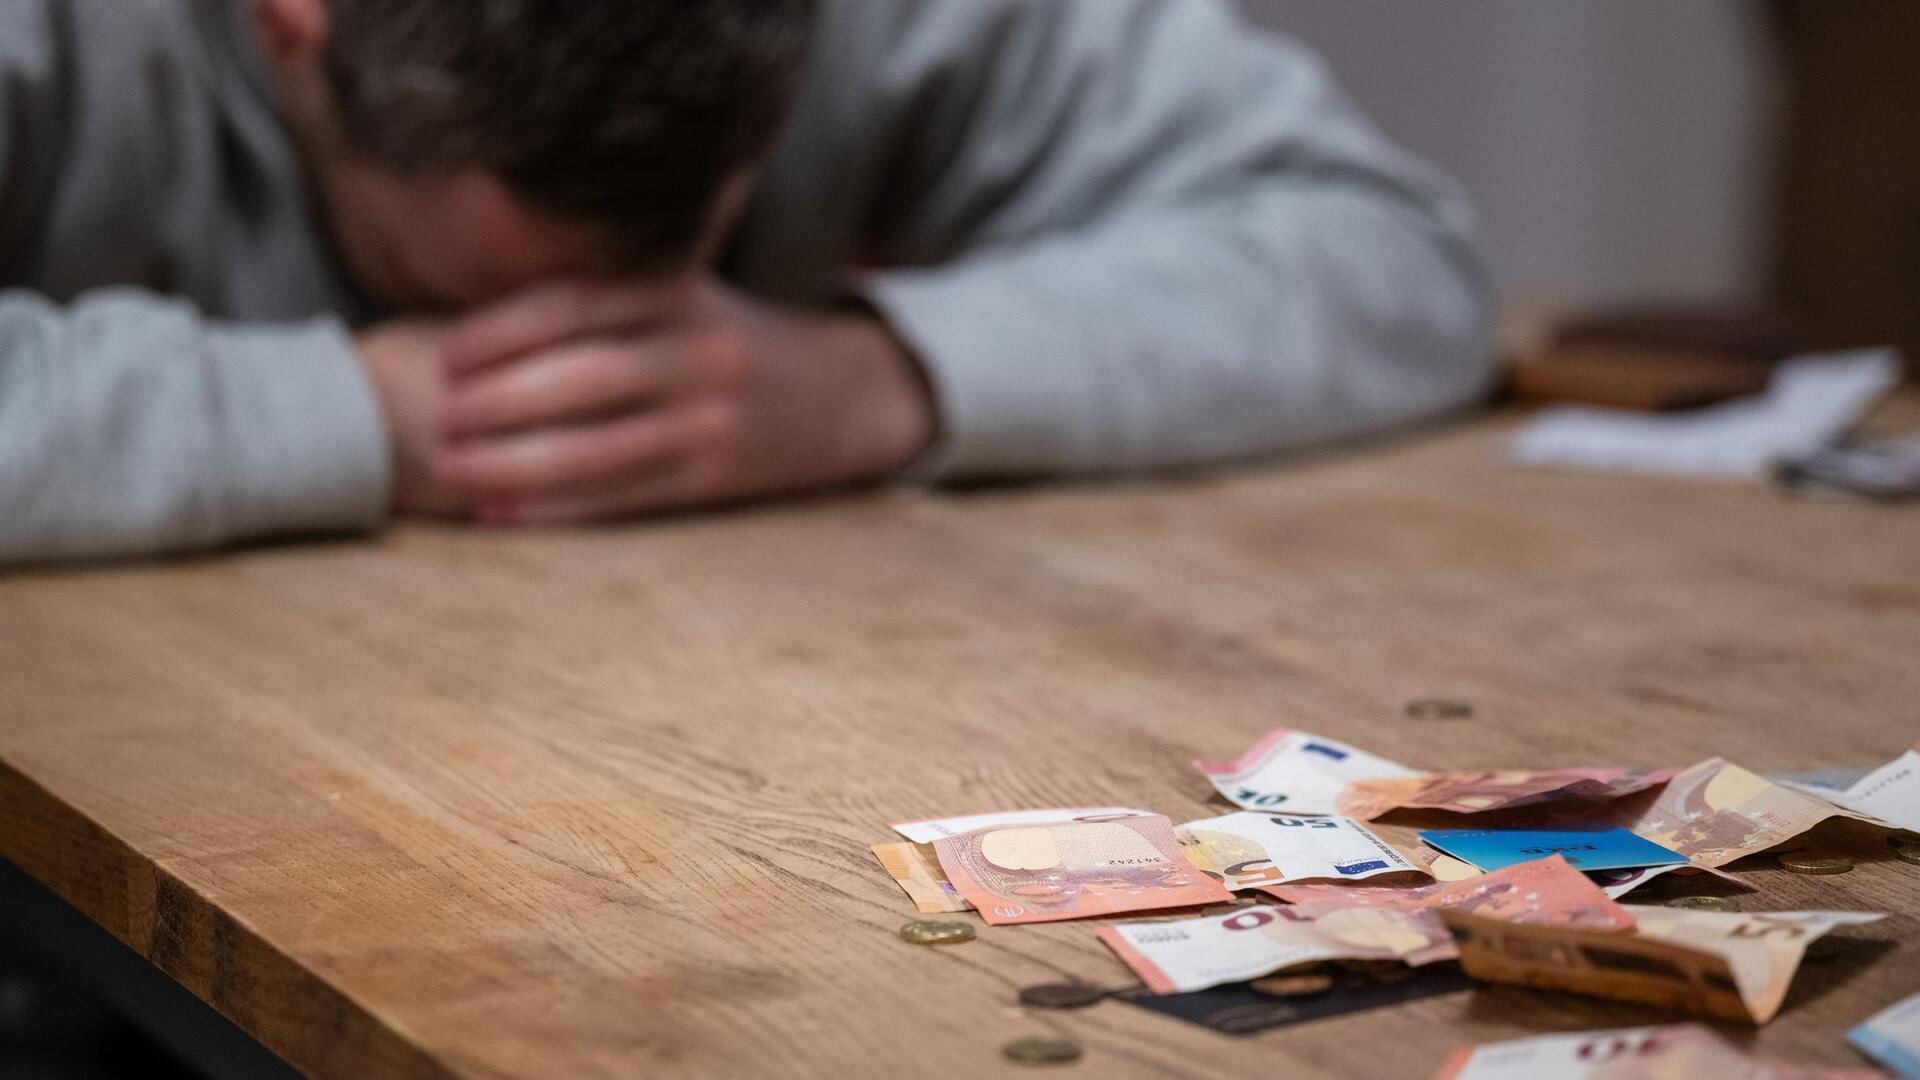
[895, 408]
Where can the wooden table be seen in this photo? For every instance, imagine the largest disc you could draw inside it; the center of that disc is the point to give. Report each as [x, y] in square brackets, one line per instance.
[460, 804]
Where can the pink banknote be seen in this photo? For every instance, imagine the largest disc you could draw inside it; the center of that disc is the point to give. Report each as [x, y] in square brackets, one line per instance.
[1544, 891]
[1492, 789]
[1024, 873]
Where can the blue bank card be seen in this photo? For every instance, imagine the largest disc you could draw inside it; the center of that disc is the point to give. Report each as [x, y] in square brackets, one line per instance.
[1600, 849]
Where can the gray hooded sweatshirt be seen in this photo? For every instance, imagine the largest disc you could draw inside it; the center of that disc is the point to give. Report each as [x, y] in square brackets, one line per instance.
[1119, 234]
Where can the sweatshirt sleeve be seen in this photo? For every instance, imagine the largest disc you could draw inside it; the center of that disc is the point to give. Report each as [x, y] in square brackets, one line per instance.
[1136, 233]
[130, 424]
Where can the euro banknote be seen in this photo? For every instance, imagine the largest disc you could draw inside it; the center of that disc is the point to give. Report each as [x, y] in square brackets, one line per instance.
[1669, 1052]
[1716, 812]
[926, 832]
[1545, 891]
[1892, 1037]
[1043, 872]
[1183, 955]
[916, 869]
[1730, 966]
[1890, 793]
[1246, 850]
[1296, 772]
[1478, 791]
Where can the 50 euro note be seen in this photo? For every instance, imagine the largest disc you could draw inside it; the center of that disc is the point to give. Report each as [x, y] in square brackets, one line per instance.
[1547, 891]
[1474, 792]
[1716, 812]
[1046, 871]
[1183, 955]
[1730, 966]
[1296, 772]
[1246, 850]
[1668, 1052]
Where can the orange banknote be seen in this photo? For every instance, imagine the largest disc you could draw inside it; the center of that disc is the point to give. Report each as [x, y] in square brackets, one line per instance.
[1545, 891]
[1023, 873]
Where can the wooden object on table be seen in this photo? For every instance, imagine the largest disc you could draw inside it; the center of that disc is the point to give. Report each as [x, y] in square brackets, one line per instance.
[1846, 235]
[462, 804]
[1651, 358]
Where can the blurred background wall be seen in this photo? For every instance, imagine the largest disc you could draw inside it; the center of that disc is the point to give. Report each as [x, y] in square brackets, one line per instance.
[1616, 151]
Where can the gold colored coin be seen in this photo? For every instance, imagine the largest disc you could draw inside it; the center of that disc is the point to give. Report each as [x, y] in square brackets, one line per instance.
[1043, 1050]
[1437, 708]
[934, 932]
[1813, 862]
[1703, 903]
[1908, 853]
[1288, 986]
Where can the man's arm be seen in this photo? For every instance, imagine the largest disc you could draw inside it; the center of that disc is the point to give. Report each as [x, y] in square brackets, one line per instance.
[1140, 234]
[131, 425]
[129, 422]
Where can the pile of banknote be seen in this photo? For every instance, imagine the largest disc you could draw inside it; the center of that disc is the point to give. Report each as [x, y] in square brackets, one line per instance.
[1331, 890]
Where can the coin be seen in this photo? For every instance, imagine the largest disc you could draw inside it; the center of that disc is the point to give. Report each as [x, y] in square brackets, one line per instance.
[1908, 853]
[933, 932]
[1438, 708]
[1813, 862]
[1703, 903]
[1043, 1050]
[1902, 837]
[1062, 996]
[1294, 985]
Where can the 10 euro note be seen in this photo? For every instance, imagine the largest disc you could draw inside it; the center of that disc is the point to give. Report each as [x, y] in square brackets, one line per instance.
[1247, 850]
[1047, 871]
[1731, 966]
[1478, 791]
[1296, 772]
[1668, 1052]
[1547, 891]
[1183, 955]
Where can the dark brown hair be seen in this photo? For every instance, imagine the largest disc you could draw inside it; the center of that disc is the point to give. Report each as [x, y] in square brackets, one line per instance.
[626, 114]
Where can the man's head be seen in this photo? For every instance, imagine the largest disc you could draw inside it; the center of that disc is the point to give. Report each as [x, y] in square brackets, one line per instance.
[465, 149]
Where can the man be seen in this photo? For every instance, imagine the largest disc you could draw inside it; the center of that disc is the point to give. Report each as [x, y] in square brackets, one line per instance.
[286, 266]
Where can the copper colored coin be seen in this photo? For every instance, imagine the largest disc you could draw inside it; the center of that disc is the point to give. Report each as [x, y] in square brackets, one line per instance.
[1813, 862]
[1043, 1050]
[1288, 986]
[1062, 996]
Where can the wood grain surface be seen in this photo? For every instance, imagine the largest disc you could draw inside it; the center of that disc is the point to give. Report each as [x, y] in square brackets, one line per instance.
[598, 805]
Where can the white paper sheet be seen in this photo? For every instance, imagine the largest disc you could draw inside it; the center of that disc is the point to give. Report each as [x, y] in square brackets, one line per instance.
[1811, 402]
